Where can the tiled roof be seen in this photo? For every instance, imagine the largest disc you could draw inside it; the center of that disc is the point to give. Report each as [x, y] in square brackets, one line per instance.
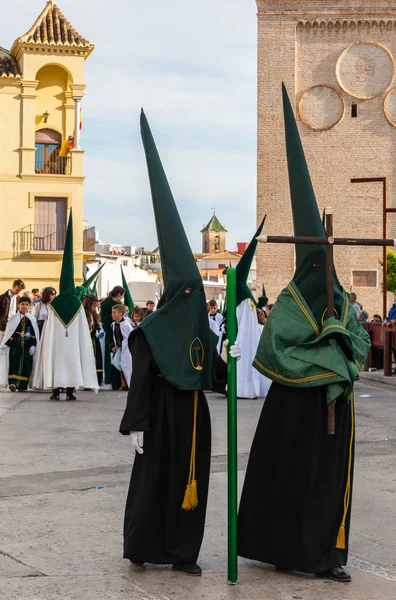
[214, 225]
[9, 67]
[53, 29]
[217, 256]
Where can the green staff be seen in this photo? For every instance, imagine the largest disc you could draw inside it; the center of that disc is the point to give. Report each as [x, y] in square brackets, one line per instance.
[232, 431]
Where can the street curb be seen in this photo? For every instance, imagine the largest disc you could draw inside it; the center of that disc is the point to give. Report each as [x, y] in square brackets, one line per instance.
[377, 376]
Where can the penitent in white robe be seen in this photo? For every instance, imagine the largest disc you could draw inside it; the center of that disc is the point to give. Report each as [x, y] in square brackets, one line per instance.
[126, 327]
[250, 383]
[65, 360]
[216, 326]
[4, 357]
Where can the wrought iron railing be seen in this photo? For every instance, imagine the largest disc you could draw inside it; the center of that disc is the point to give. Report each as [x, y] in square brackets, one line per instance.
[60, 165]
[39, 237]
[89, 239]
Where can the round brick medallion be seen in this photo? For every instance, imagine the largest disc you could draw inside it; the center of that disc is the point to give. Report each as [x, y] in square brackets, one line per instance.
[390, 107]
[365, 70]
[321, 107]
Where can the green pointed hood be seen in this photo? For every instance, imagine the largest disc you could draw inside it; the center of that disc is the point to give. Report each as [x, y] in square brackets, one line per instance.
[243, 268]
[263, 299]
[310, 273]
[128, 296]
[83, 290]
[178, 331]
[66, 305]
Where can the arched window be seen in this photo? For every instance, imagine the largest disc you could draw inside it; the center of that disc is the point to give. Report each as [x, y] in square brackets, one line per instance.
[48, 143]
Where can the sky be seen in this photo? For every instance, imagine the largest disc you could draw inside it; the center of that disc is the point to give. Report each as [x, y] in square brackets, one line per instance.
[192, 66]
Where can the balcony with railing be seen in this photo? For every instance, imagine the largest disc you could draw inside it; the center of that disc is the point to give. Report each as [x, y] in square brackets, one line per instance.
[89, 239]
[59, 165]
[39, 238]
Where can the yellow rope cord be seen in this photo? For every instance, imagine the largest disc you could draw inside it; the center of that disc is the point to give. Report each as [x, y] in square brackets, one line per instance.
[340, 544]
[190, 501]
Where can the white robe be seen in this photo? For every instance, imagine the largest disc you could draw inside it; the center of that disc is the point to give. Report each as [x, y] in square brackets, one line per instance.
[126, 357]
[65, 360]
[4, 358]
[250, 383]
[217, 328]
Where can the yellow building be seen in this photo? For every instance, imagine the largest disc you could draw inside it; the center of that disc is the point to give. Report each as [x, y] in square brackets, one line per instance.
[41, 172]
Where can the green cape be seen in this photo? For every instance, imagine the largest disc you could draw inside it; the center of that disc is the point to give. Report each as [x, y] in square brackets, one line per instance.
[178, 331]
[66, 305]
[296, 350]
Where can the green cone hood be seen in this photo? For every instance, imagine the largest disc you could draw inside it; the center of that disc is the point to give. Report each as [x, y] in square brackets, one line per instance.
[310, 273]
[66, 305]
[263, 299]
[128, 296]
[85, 288]
[244, 265]
[178, 331]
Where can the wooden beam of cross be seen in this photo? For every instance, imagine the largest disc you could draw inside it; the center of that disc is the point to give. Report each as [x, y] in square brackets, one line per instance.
[330, 242]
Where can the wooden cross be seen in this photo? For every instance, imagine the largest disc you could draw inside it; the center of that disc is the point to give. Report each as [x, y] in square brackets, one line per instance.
[329, 241]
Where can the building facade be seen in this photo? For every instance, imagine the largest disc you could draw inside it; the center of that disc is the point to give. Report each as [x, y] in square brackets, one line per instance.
[41, 160]
[337, 59]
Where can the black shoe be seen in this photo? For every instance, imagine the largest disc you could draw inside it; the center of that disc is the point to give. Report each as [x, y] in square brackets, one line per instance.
[191, 569]
[336, 574]
[71, 397]
[12, 387]
[54, 396]
[136, 564]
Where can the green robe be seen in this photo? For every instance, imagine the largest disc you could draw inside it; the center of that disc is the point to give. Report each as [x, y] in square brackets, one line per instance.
[20, 361]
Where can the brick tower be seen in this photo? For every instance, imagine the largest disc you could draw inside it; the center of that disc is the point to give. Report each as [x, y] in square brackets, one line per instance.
[337, 59]
[213, 237]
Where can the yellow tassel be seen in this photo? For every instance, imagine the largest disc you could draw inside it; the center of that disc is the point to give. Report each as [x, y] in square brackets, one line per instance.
[341, 538]
[193, 494]
[340, 544]
[67, 333]
[190, 501]
[187, 499]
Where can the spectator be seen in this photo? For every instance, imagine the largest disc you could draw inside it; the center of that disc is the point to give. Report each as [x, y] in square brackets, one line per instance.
[36, 295]
[8, 304]
[40, 310]
[363, 316]
[356, 305]
[376, 319]
[150, 305]
[90, 304]
[392, 313]
[138, 316]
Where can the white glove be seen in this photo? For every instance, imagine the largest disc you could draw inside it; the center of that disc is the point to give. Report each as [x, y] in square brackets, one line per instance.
[235, 350]
[3, 349]
[137, 440]
[32, 351]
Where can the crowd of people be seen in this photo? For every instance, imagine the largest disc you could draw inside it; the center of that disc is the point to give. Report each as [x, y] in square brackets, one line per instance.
[23, 318]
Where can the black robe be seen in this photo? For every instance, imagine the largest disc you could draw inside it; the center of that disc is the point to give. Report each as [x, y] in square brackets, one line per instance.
[292, 501]
[115, 341]
[97, 350]
[156, 530]
[20, 360]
